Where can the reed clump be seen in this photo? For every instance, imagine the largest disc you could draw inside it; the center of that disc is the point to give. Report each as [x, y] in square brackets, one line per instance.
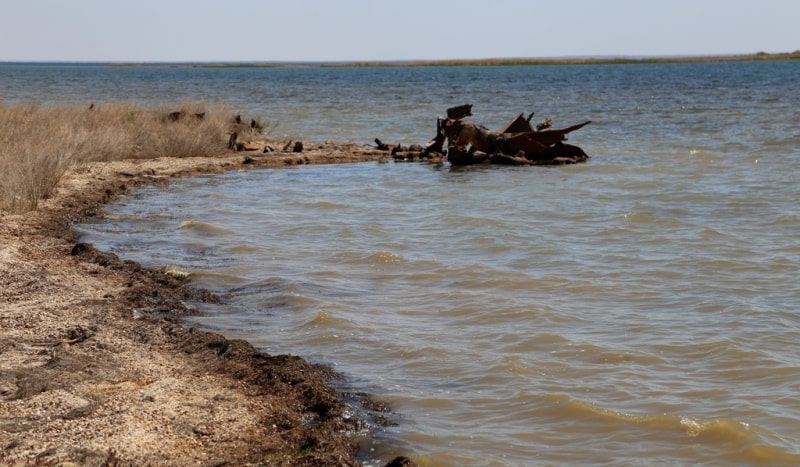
[38, 143]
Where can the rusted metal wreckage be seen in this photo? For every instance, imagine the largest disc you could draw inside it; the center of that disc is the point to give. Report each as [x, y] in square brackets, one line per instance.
[517, 143]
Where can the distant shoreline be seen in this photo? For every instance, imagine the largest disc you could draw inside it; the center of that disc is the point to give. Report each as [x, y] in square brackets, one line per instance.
[602, 60]
[611, 60]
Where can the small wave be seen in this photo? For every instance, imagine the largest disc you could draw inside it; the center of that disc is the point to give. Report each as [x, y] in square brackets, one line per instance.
[244, 248]
[740, 441]
[721, 429]
[203, 227]
[706, 156]
[328, 318]
[321, 319]
[328, 205]
[177, 272]
[384, 257]
[599, 356]
[322, 205]
[427, 276]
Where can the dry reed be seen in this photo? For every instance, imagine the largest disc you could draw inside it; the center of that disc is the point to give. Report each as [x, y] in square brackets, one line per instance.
[39, 143]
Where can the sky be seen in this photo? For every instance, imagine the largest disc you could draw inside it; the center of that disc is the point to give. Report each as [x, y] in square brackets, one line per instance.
[366, 30]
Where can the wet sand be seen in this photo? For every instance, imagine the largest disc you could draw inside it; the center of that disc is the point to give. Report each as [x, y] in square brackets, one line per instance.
[96, 367]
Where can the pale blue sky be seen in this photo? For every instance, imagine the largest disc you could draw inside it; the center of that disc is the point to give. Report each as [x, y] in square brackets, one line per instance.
[303, 30]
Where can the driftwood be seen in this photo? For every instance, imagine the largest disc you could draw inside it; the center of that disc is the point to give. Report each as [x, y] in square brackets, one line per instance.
[457, 113]
[544, 124]
[518, 124]
[248, 146]
[434, 150]
[241, 146]
[381, 145]
[436, 145]
[516, 143]
[482, 139]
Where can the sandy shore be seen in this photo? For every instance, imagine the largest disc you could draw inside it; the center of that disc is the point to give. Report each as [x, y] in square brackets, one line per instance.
[96, 369]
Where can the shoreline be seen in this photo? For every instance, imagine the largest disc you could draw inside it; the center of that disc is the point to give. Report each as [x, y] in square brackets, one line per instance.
[488, 61]
[97, 366]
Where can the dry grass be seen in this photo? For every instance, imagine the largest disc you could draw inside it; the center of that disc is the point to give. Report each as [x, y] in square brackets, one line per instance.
[38, 143]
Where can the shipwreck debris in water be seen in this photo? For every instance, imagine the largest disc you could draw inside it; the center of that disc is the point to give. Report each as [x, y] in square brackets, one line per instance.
[516, 143]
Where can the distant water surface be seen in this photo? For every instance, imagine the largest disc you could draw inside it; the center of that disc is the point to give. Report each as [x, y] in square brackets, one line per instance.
[640, 309]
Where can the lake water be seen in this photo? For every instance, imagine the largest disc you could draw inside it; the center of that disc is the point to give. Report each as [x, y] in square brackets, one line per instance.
[639, 309]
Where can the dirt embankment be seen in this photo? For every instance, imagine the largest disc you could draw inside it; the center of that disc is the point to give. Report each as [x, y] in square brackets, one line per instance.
[96, 369]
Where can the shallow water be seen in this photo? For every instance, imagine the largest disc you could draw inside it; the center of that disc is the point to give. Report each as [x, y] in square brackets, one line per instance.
[509, 315]
[637, 309]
